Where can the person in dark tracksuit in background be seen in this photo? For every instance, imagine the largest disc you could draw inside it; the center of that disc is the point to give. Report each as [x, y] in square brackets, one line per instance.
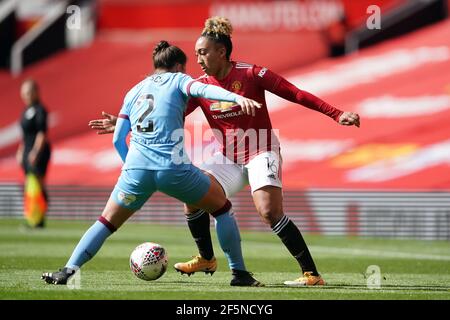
[34, 150]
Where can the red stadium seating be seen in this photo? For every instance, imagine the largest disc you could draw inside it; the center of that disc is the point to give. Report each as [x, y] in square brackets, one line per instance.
[401, 89]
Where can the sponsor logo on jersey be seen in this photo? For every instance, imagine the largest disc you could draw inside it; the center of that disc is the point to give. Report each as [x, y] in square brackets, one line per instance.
[227, 115]
[236, 86]
[222, 106]
[262, 72]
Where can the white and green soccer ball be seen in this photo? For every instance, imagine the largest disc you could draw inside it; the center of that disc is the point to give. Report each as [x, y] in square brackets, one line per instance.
[149, 261]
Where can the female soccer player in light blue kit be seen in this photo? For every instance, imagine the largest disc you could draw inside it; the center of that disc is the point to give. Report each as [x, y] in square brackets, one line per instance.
[156, 161]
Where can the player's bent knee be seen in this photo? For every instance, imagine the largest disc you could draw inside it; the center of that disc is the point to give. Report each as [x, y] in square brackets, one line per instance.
[224, 209]
[115, 214]
[270, 216]
[190, 209]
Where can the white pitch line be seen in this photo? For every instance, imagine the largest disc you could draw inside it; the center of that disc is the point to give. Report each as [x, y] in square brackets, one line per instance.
[378, 253]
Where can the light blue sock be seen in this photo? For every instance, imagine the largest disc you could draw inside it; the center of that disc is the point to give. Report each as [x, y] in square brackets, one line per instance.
[89, 244]
[230, 240]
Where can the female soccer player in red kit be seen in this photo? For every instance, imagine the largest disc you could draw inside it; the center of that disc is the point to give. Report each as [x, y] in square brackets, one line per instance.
[260, 165]
[256, 162]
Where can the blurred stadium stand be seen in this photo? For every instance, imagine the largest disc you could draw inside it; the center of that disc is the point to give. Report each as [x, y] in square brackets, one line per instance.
[40, 28]
[401, 20]
[394, 214]
[390, 178]
[7, 30]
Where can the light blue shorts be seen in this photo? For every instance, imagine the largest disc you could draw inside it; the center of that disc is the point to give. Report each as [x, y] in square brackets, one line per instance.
[135, 186]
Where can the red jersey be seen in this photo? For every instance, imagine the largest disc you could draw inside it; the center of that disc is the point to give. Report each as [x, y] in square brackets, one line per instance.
[243, 136]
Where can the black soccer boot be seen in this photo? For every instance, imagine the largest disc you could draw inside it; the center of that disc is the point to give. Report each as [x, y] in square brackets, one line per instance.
[59, 277]
[244, 279]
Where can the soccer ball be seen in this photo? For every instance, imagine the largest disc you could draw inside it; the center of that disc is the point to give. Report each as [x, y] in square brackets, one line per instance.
[149, 261]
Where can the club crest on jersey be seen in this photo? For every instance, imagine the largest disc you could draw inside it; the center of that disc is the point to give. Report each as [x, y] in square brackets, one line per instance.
[236, 86]
[222, 106]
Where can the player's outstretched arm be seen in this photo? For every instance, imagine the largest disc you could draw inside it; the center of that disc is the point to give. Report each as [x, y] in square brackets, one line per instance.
[349, 119]
[197, 89]
[105, 125]
[281, 87]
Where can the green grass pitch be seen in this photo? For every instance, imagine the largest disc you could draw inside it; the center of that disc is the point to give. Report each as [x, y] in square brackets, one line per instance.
[410, 269]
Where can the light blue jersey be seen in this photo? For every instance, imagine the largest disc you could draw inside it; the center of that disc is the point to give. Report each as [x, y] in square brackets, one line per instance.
[154, 110]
